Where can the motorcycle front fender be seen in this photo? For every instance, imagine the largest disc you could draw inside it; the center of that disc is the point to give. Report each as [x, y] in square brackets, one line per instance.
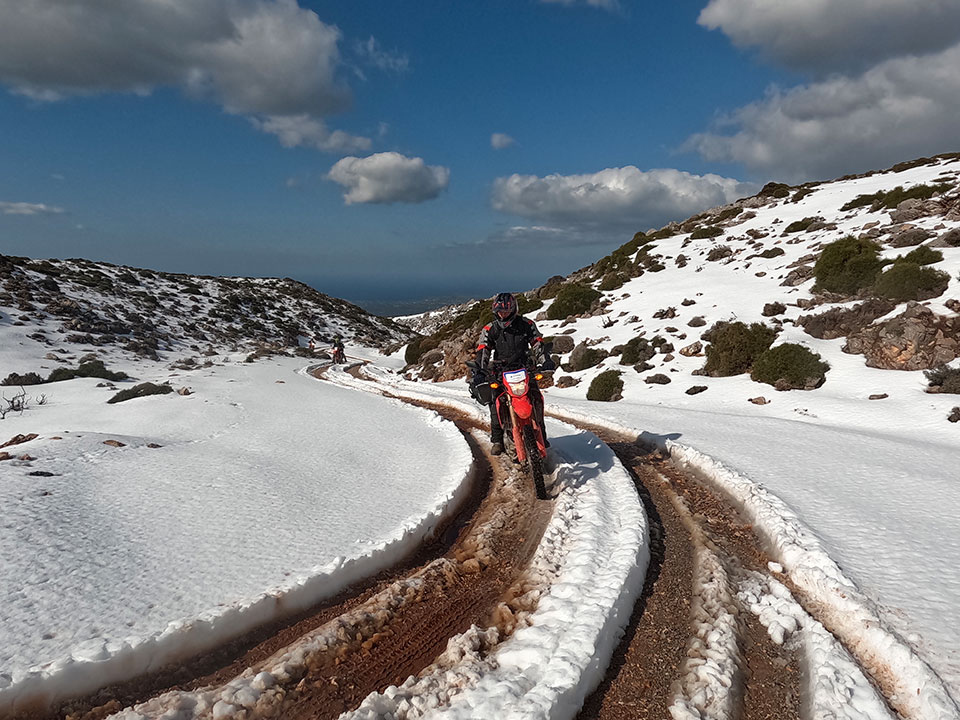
[522, 406]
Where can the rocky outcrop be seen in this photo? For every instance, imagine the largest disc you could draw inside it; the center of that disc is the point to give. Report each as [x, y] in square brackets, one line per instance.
[908, 236]
[841, 322]
[917, 339]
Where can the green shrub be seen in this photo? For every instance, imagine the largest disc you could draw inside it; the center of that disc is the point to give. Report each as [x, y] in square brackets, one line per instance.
[141, 390]
[526, 305]
[773, 189]
[418, 346]
[89, 369]
[734, 347]
[789, 366]
[612, 281]
[30, 378]
[890, 199]
[637, 350]
[910, 281]
[730, 212]
[708, 231]
[800, 225]
[605, 387]
[923, 255]
[583, 359]
[573, 299]
[946, 379]
[847, 265]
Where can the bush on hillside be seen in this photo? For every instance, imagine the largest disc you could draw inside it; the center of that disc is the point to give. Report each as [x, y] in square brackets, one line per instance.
[709, 231]
[909, 281]
[945, 379]
[790, 367]
[573, 299]
[89, 369]
[730, 212]
[418, 346]
[890, 199]
[800, 225]
[637, 350]
[774, 189]
[847, 265]
[734, 347]
[584, 357]
[141, 390]
[613, 281]
[30, 378]
[606, 387]
[923, 255]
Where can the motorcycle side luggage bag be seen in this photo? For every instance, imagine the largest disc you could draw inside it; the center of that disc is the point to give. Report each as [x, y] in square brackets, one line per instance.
[483, 393]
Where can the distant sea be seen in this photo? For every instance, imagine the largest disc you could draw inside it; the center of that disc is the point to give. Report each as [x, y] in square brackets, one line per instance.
[393, 308]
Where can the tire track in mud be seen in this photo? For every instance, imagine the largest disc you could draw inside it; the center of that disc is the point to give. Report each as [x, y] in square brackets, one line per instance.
[696, 540]
[467, 575]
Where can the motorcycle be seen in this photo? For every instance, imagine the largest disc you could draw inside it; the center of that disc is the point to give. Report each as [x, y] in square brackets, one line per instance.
[339, 357]
[510, 390]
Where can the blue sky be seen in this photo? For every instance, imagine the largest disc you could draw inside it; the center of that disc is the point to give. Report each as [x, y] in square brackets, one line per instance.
[390, 150]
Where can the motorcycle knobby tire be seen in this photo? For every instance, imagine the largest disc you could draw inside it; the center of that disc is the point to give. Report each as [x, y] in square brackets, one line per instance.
[534, 461]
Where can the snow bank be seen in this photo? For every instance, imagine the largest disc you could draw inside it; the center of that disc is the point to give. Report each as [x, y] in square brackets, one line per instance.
[264, 499]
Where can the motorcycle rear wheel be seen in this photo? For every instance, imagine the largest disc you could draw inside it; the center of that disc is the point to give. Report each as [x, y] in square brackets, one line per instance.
[534, 461]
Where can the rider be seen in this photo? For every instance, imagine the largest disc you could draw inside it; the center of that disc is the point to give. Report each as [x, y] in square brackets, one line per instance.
[509, 341]
[337, 347]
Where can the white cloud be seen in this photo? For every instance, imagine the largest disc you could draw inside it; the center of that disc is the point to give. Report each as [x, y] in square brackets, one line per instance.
[389, 177]
[24, 208]
[264, 58]
[612, 5]
[614, 198]
[900, 109]
[499, 141]
[373, 54]
[828, 35]
[305, 131]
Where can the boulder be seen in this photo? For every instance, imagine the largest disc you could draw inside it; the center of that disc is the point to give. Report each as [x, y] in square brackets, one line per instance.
[917, 339]
[951, 238]
[774, 308]
[909, 236]
[914, 209]
[695, 389]
[567, 381]
[697, 321]
[693, 349]
[563, 344]
[841, 322]
[658, 379]
[798, 276]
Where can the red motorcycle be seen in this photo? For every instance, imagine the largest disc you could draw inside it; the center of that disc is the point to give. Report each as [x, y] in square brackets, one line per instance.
[518, 417]
[339, 357]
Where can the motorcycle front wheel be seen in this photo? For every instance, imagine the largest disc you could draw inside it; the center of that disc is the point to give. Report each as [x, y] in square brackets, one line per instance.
[534, 461]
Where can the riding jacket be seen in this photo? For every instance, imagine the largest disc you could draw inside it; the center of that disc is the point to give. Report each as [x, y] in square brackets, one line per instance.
[510, 344]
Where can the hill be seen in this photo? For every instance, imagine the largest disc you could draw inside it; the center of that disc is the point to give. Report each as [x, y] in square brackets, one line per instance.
[864, 265]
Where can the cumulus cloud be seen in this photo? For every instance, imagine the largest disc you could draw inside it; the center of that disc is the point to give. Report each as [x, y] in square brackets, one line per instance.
[389, 177]
[305, 131]
[902, 108]
[499, 141]
[267, 59]
[615, 198]
[25, 208]
[373, 54]
[831, 35]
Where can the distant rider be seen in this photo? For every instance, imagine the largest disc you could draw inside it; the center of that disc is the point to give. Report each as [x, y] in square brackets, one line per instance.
[510, 342]
[338, 352]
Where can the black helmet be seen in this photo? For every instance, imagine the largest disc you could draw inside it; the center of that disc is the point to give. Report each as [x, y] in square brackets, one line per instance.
[505, 307]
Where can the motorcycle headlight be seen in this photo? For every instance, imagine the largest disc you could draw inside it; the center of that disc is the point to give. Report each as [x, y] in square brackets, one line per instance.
[516, 381]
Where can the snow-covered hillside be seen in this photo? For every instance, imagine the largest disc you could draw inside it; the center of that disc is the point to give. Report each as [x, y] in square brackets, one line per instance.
[867, 460]
[63, 304]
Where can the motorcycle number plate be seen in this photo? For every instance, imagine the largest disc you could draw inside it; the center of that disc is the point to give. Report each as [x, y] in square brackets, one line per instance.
[517, 376]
